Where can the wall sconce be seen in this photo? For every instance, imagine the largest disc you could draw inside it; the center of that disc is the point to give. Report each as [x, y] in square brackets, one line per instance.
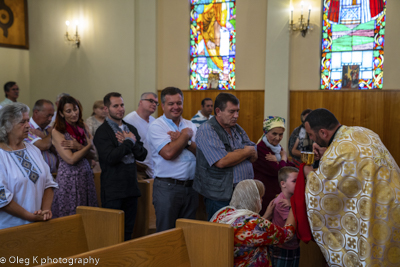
[74, 38]
[302, 25]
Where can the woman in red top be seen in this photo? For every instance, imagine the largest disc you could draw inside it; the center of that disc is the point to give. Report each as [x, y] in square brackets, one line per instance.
[271, 158]
[253, 233]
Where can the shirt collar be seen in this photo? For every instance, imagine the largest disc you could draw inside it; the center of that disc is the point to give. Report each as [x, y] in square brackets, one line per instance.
[172, 123]
[35, 126]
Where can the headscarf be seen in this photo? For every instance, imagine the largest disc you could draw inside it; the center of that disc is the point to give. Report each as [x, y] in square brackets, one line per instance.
[246, 201]
[271, 122]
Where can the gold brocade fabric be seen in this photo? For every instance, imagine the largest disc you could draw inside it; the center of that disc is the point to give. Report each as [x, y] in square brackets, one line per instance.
[353, 201]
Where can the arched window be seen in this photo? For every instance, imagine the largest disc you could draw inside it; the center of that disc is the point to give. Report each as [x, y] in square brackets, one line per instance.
[212, 44]
[353, 33]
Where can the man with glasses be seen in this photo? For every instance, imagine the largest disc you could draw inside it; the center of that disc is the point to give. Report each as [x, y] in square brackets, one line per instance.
[11, 90]
[141, 119]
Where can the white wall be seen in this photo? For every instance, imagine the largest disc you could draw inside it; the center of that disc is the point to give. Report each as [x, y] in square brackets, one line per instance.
[14, 66]
[107, 59]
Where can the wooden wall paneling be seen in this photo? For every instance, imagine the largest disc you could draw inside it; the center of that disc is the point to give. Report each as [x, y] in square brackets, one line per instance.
[376, 110]
[251, 113]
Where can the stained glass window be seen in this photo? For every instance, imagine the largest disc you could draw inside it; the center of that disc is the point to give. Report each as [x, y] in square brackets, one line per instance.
[212, 44]
[353, 33]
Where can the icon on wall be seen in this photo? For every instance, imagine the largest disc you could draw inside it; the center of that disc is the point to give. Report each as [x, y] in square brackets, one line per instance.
[14, 24]
[350, 76]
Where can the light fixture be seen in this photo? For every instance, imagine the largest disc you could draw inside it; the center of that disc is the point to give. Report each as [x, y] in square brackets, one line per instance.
[301, 25]
[74, 38]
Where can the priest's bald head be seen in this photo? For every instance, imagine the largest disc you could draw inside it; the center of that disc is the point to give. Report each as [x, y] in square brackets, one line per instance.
[321, 125]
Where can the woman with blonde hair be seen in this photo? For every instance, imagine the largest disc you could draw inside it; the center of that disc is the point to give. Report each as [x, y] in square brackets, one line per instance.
[97, 118]
[253, 233]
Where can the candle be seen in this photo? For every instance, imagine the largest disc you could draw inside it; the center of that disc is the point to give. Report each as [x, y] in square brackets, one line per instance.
[309, 12]
[302, 4]
[66, 27]
[291, 14]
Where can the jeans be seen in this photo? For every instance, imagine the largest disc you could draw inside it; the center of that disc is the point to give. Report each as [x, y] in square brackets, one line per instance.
[212, 206]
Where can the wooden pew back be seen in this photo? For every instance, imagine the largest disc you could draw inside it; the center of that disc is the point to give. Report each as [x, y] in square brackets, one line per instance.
[192, 243]
[90, 228]
[60, 237]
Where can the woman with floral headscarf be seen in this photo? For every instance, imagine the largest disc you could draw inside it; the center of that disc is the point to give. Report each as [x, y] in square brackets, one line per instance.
[254, 234]
[271, 158]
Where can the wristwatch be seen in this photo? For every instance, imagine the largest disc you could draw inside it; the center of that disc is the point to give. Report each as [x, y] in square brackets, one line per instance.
[188, 144]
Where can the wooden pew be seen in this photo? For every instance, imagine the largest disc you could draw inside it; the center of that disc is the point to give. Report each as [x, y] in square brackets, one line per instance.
[145, 222]
[91, 228]
[191, 243]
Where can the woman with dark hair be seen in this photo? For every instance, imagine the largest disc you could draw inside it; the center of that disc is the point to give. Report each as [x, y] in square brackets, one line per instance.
[26, 184]
[73, 142]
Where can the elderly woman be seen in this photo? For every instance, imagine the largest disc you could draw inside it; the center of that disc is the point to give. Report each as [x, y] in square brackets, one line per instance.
[26, 184]
[97, 118]
[93, 122]
[271, 158]
[253, 234]
[73, 143]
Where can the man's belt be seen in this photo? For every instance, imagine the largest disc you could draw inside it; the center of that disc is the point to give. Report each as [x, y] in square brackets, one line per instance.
[187, 183]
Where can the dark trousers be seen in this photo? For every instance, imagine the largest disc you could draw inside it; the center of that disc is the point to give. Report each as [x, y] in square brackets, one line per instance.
[171, 202]
[129, 206]
[212, 206]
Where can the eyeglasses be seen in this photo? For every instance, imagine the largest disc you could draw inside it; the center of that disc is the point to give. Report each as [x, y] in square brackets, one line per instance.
[152, 101]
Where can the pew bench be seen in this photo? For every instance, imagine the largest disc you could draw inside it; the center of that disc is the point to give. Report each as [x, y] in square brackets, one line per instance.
[192, 243]
[91, 228]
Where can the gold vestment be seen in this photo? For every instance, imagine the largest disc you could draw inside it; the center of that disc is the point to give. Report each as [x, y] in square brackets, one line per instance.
[353, 201]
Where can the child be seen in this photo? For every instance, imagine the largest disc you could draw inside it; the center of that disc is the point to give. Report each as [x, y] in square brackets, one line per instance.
[288, 254]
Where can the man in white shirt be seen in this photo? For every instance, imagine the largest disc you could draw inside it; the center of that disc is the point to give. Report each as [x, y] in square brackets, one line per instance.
[141, 119]
[204, 114]
[173, 150]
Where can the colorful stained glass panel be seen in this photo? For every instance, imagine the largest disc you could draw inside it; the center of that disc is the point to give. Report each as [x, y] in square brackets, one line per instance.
[353, 35]
[212, 44]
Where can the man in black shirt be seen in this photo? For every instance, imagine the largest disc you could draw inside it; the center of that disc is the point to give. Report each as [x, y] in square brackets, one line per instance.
[119, 146]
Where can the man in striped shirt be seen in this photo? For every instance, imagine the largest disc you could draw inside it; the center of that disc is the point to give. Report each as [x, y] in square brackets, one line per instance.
[204, 114]
[40, 131]
[224, 155]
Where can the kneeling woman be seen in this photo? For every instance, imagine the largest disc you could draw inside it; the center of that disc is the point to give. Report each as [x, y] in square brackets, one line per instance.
[73, 142]
[26, 184]
[253, 233]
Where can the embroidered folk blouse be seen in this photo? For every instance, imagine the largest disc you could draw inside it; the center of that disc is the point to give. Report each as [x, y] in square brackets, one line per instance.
[253, 235]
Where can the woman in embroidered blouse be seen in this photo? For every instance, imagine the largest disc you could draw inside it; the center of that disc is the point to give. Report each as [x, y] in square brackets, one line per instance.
[253, 233]
[271, 158]
[73, 143]
[26, 184]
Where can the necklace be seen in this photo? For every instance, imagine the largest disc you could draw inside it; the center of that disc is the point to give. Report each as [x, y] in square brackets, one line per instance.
[12, 150]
